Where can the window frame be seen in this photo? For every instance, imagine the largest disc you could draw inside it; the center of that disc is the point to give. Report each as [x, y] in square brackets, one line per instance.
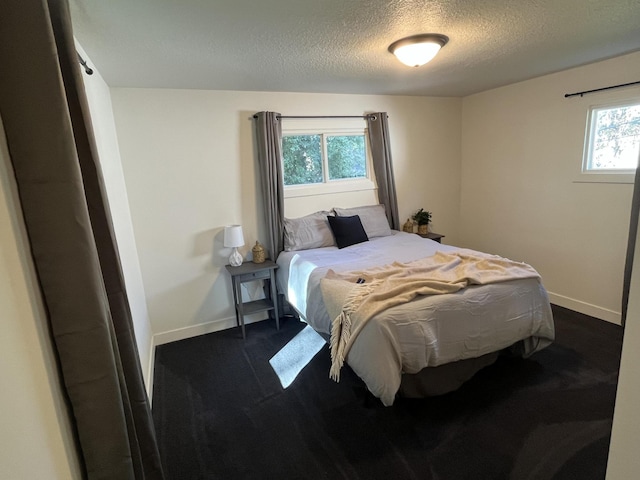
[617, 175]
[329, 186]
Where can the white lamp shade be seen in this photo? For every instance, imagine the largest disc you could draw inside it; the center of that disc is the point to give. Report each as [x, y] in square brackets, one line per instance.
[233, 236]
[419, 49]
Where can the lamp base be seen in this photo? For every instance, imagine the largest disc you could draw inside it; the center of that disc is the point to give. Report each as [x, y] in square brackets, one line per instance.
[235, 260]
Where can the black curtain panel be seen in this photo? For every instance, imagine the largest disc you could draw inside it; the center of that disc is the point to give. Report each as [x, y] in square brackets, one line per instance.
[631, 243]
[383, 165]
[62, 198]
[269, 149]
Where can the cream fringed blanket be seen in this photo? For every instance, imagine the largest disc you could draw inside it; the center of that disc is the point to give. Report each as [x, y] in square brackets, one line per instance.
[352, 304]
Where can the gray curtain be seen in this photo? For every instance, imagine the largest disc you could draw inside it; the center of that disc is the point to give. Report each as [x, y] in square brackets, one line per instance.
[52, 151]
[383, 166]
[269, 146]
[631, 243]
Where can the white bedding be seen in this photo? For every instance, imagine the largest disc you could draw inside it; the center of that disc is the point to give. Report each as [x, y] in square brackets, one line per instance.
[428, 331]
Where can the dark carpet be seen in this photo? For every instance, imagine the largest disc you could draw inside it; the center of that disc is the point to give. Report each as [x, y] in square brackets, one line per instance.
[221, 413]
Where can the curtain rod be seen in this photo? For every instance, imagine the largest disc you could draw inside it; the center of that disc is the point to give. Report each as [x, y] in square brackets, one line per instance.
[83, 62]
[320, 116]
[567, 95]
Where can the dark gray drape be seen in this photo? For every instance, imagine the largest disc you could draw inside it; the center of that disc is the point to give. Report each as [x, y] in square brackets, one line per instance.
[631, 243]
[51, 147]
[269, 145]
[383, 165]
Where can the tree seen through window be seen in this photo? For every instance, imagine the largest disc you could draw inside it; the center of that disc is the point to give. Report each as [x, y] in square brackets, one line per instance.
[615, 139]
[304, 161]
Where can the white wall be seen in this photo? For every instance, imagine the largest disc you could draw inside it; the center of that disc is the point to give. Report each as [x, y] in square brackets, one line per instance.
[189, 166]
[521, 150]
[35, 434]
[99, 99]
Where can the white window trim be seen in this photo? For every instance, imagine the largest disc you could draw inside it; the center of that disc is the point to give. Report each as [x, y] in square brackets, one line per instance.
[625, 176]
[338, 185]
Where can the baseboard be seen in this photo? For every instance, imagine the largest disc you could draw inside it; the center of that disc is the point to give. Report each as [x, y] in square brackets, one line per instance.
[193, 331]
[202, 329]
[586, 308]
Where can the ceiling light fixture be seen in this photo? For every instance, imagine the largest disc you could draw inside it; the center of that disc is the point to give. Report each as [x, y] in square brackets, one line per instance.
[418, 49]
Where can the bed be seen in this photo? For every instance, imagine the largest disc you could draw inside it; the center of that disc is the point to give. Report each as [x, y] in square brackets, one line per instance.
[431, 344]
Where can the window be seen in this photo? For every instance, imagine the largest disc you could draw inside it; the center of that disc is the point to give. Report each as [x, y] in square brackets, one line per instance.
[302, 159]
[323, 158]
[613, 139]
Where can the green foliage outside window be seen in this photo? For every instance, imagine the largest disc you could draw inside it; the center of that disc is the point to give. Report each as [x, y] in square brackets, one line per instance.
[302, 159]
[346, 157]
[303, 162]
[616, 138]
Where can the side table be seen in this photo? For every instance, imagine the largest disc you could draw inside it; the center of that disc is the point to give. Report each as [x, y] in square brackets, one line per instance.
[432, 236]
[248, 272]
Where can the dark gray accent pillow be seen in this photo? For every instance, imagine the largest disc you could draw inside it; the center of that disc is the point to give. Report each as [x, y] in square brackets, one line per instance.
[347, 230]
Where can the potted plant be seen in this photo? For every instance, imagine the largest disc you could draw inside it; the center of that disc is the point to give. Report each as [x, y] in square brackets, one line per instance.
[423, 219]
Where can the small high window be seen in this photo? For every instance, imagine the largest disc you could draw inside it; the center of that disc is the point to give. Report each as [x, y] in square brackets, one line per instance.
[613, 139]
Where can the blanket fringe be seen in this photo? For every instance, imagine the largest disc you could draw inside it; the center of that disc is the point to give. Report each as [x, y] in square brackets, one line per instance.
[340, 334]
[341, 327]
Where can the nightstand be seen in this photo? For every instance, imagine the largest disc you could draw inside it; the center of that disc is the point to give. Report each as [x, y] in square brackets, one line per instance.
[248, 272]
[432, 236]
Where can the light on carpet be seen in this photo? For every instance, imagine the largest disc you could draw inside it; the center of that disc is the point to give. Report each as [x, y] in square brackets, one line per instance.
[296, 354]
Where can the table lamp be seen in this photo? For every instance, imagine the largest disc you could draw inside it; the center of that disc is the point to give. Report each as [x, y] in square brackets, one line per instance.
[233, 238]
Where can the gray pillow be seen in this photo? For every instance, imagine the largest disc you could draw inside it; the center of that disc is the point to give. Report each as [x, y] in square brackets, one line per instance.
[310, 231]
[373, 218]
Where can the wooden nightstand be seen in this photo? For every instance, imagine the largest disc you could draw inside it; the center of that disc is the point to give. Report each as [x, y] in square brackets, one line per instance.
[248, 272]
[432, 236]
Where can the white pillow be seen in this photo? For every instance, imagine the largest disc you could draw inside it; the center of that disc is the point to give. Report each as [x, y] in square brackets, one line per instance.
[310, 231]
[373, 218]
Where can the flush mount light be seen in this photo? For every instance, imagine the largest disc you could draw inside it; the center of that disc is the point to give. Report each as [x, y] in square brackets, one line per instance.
[418, 49]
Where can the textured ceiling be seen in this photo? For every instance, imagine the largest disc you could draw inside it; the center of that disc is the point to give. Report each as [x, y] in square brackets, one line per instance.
[340, 46]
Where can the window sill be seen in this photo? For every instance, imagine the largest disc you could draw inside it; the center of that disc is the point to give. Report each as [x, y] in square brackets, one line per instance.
[328, 188]
[628, 178]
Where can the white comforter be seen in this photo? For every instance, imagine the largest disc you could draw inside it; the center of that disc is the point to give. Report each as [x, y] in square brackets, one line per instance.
[428, 331]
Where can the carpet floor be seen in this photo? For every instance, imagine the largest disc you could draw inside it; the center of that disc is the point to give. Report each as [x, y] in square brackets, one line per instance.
[221, 412]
